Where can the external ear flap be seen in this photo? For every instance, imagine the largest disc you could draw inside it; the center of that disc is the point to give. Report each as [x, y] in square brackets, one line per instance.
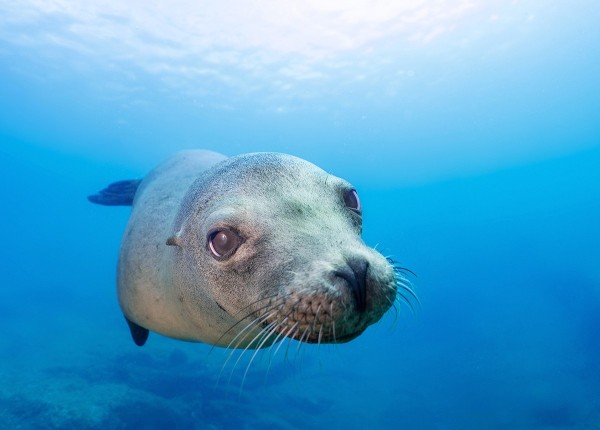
[174, 240]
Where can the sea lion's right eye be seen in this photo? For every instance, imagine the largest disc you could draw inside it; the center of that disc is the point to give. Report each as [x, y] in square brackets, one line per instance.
[352, 201]
[223, 242]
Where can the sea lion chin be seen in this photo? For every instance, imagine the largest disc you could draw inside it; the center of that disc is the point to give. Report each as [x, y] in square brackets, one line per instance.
[243, 252]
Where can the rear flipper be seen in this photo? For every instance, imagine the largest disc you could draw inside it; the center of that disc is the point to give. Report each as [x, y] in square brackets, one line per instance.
[138, 333]
[117, 194]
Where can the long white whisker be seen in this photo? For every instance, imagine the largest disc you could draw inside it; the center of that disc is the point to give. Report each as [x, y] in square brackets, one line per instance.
[302, 338]
[254, 322]
[279, 335]
[286, 334]
[333, 326]
[271, 331]
[260, 333]
[315, 318]
[247, 316]
[287, 349]
[320, 335]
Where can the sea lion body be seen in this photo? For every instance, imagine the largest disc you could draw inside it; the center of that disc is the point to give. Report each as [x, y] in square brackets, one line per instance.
[245, 251]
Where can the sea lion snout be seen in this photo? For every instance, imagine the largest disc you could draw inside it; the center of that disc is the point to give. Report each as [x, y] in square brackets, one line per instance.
[333, 300]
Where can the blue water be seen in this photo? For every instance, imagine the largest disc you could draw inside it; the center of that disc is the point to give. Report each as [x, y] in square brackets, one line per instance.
[470, 130]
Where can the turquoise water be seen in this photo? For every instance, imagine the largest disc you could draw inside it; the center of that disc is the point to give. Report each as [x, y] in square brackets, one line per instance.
[470, 129]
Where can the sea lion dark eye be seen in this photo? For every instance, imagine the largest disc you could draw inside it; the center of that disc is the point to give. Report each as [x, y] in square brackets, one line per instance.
[351, 200]
[222, 243]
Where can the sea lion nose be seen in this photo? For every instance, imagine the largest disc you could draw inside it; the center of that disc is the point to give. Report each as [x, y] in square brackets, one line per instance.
[355, 276]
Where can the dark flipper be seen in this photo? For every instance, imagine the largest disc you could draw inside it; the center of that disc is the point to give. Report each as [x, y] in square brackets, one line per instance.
[138, 333]
[117, 194]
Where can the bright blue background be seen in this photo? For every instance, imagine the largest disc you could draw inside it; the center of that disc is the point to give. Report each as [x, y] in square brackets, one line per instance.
[479, 170]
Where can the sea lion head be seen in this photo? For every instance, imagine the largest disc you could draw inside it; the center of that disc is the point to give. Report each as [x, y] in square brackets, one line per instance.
[274, 242]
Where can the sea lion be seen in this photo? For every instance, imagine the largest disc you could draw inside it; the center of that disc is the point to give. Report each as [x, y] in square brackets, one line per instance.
[242, 252]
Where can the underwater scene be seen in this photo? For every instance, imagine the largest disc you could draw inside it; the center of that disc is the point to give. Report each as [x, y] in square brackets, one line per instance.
[443, 274]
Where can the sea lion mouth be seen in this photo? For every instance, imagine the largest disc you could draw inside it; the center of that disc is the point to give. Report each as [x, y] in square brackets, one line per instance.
[309, 321]
[326, 314]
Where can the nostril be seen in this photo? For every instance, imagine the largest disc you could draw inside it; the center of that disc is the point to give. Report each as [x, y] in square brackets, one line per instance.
[355, 275]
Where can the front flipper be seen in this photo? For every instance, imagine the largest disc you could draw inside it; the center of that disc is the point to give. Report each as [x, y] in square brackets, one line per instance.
[138, 333]
[117, 194]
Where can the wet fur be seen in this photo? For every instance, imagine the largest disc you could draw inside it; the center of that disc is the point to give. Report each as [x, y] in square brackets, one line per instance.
[280, 283]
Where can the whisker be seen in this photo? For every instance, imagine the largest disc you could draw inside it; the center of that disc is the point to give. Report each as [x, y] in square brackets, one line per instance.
[315, 318]
[255, 322]
[393, 304]
[320, 335]
[290, 341]
[263, 321]
[287, 335]
[302, 338]
[409, 290]
[242, 319]
[401, 298]
[333, 326]
[398, 268]
[282, 333]
[332, 322]
[255, 302]
[260, 333]
[270, 333]
[404, 271]
[410, 297]
[279, 335]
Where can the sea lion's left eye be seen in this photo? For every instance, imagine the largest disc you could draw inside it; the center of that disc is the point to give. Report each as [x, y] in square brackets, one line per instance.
[222, 243]
[352, 201]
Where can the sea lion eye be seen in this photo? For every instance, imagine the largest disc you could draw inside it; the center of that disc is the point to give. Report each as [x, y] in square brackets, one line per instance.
[222, 243]
[351, 200]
